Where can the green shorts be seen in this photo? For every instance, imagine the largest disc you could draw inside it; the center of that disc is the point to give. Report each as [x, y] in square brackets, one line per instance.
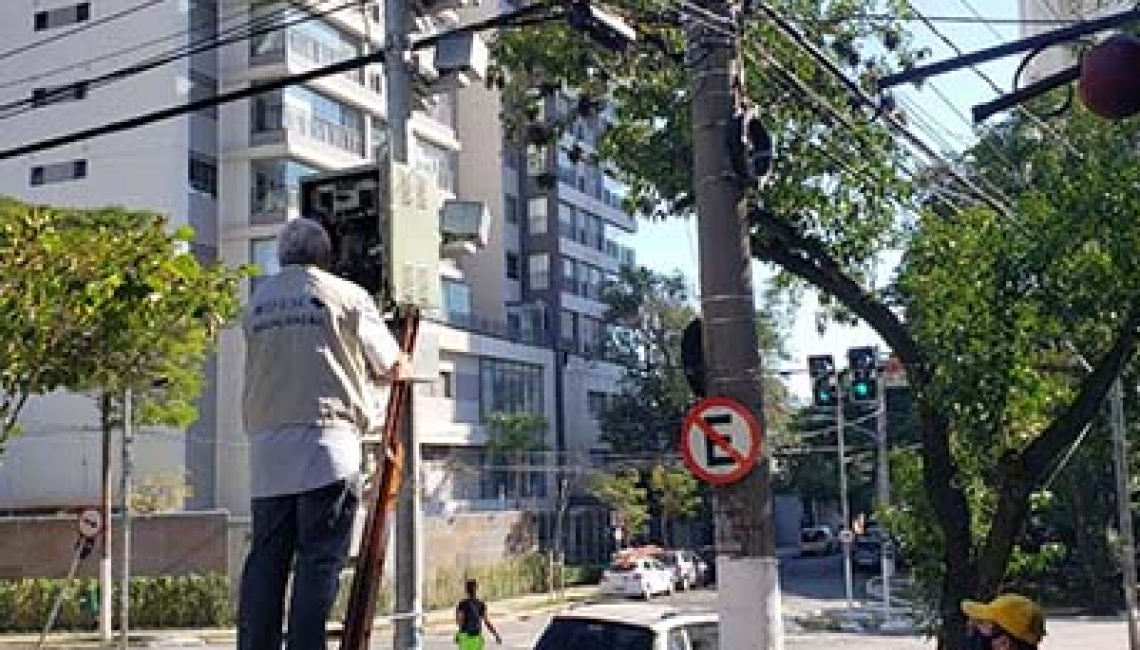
[467, 641]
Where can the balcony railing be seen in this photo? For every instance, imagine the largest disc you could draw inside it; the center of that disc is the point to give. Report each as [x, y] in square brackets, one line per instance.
[303, 123]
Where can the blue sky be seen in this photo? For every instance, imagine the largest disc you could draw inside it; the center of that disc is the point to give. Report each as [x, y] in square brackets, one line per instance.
[672, 245]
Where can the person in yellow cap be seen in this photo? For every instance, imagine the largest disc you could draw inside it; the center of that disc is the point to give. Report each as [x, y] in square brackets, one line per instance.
[1008, 622]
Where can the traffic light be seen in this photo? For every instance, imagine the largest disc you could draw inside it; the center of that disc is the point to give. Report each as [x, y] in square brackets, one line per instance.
[864, 384]
[821, 369]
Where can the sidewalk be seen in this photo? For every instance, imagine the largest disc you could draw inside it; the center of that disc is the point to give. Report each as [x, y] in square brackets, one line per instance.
[509, 609]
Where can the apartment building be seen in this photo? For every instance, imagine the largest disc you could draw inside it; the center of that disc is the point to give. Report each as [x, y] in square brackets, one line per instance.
[1046, 15]
[232, 174]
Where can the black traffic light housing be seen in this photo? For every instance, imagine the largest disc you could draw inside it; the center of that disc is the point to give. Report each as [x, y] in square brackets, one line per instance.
[863, 366]
[824, 392]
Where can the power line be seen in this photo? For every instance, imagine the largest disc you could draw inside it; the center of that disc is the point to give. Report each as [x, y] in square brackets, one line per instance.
[861, 95]
[250, 30]
[975, 19]
[76, 30]
[503, 20]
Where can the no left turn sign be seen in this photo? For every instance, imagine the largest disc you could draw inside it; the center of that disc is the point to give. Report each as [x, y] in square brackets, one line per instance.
[721, 440]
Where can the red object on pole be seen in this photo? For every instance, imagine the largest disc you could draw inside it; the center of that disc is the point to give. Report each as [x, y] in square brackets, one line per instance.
[1110, 77]
[382, 495]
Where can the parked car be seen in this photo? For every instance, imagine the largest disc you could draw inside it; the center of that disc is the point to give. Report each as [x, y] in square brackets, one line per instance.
[629, 626]
[642, 576]
[817, 540]
[867, 553]
[683, 564]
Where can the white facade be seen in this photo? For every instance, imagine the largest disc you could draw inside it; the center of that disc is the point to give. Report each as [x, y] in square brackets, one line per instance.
[232, 174]
[1046, 15]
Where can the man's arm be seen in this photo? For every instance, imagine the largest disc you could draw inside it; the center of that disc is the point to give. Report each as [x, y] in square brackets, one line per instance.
[383, 351]
[490, 625]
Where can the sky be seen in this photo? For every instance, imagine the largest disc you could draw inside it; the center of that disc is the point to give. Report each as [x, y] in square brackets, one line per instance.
[672, 245]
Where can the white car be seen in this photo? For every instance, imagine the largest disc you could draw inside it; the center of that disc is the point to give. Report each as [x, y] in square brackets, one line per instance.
[629, 626]
[683, 564]
[644, 577]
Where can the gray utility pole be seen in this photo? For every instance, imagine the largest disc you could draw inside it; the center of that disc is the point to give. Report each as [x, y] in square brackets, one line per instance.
[847, 540]
[884, 494]
[1124, 506]
[748, 599]
[125, 500]
[407, 632]
[105, 575]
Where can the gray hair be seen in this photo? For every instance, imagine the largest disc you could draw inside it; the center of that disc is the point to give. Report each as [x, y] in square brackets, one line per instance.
[303, 241]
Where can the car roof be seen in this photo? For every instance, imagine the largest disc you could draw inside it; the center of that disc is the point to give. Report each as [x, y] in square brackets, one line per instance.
[646, 615]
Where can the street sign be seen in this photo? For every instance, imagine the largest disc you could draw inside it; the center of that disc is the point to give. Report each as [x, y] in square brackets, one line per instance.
[721, 440]
[90, 523]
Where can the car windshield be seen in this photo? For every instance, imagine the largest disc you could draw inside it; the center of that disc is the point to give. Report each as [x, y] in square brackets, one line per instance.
[816, 535]
[667, 560]
[622, 567]
[566, 633]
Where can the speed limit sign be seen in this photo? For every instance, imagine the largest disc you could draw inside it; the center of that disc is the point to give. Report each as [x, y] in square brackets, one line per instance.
[90, 523]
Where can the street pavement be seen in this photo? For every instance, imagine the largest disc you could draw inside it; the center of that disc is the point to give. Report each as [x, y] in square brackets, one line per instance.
[808, 586]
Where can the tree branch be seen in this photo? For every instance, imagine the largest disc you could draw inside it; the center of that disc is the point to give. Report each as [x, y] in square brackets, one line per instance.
[778, 241]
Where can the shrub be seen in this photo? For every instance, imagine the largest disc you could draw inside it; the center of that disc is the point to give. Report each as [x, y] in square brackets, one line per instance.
[182, 601]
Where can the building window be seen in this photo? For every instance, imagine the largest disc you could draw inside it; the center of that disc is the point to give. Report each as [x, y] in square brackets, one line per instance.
[203, 86]
[457, 301]
[569, 326]
[537, 217]
[57, 94]
[446, 384]
[511, 207]
[510, 387]
[437, 162]
[538, 268]
[569, 275]
[275, 185]
[514, 272]
[59, 172]
[203, 175]
[263, 255]
[63, 16]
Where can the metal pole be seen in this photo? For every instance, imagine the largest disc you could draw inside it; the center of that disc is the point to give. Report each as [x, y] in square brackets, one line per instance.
[125, 503]
[844, 507]
[1124, 507]
[749, 595]
[884, 495]
[407, 632]
[106, 578]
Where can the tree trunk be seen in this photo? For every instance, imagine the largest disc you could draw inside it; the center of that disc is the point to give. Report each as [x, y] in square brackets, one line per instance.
[950, 505]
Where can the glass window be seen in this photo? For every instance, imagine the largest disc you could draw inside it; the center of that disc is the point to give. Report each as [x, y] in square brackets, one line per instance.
[437, 162]
[203, 174]
[275, 184]
[596, 402]
[58, 172]
[309, 114]
[703, 636]
[537, 216]
[538, 267]
[263, 255]
[54, 95]
[567, 215]
[511, 208]
[514, 271]
[569, 326]
[457, 299]
[63, 16]
[510, 387]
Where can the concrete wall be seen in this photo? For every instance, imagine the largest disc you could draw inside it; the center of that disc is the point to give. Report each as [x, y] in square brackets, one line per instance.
[166, 544]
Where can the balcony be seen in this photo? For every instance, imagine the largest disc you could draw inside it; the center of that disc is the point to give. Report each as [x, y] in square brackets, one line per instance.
[272, 123]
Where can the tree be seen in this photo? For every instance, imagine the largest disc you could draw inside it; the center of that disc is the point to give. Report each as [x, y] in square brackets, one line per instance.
[623, 493]
[677, 496]
[647, 313]
[104, 300]
[985, 290]
[515, 436]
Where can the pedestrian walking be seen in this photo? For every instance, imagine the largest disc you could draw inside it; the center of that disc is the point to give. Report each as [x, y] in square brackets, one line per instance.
[313, 341]
[470, 617]
[1008, 622]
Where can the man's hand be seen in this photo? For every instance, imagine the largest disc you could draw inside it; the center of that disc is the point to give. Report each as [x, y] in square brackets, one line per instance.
[402, 369]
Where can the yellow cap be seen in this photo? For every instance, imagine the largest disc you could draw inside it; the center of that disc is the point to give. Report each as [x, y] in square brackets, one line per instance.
[1014, 613]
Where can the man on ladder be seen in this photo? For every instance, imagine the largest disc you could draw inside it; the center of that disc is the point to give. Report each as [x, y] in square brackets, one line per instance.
[312, 342]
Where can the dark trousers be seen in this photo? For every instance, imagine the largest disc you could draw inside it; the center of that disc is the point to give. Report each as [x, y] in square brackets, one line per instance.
[310, 533]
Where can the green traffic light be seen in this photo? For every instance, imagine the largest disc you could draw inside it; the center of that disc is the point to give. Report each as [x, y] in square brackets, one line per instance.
[862, 390]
